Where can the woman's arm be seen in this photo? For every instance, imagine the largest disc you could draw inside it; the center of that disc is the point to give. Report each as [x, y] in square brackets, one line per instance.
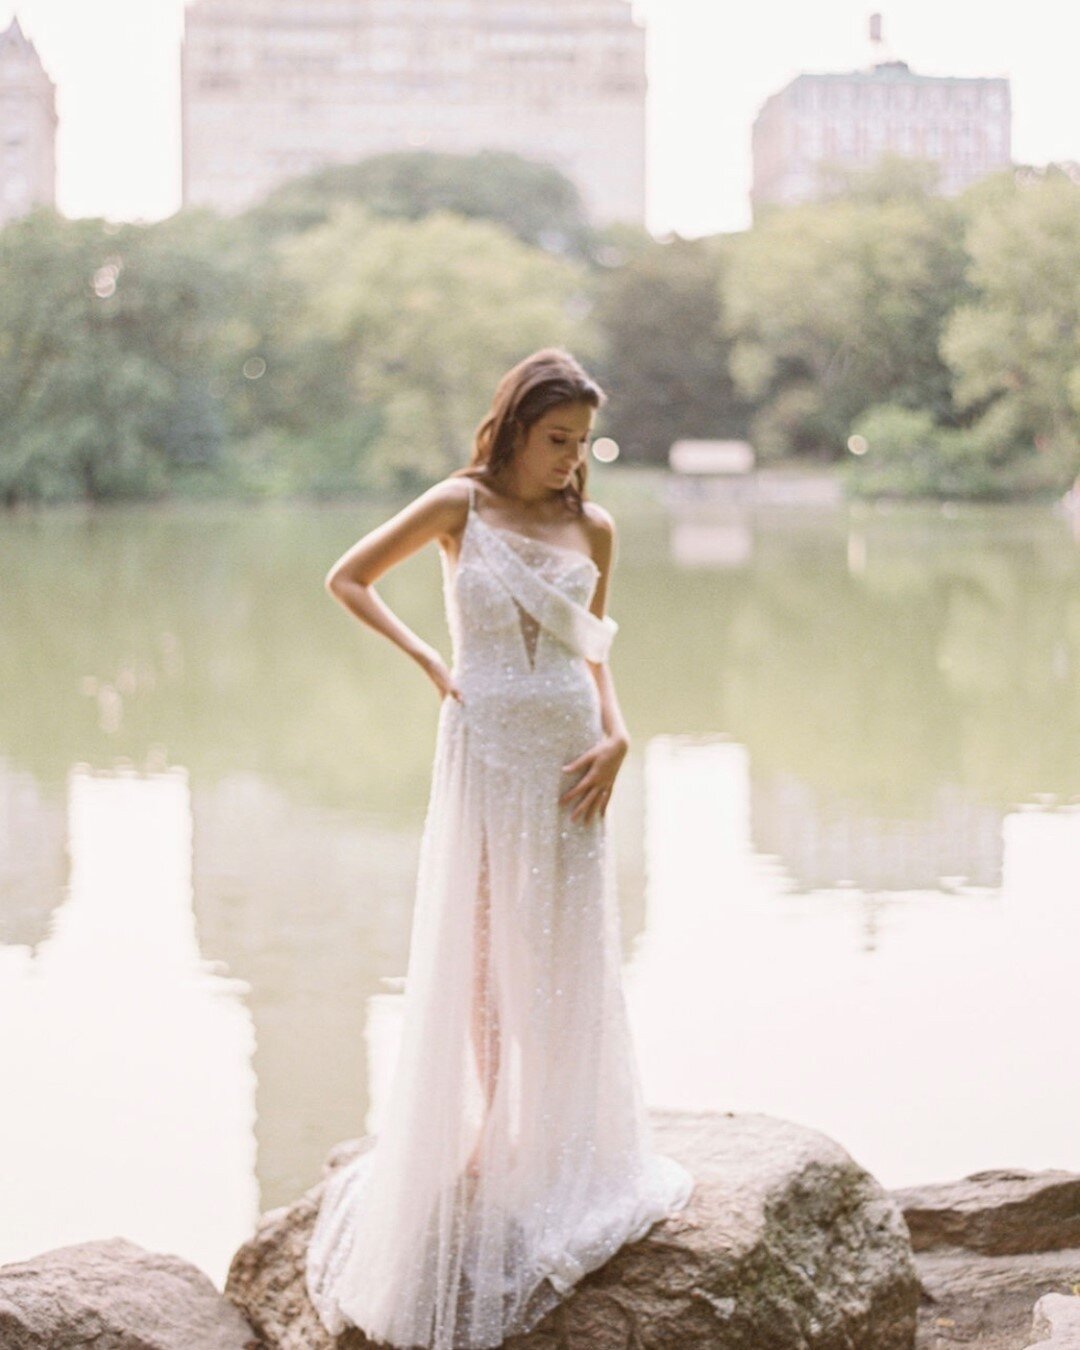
[604, 759]
[435, 514]
[603, 549]
[610, 713]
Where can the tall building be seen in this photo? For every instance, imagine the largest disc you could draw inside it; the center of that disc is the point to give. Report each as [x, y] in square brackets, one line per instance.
[272, 89]
[27, 127]
[850, 118]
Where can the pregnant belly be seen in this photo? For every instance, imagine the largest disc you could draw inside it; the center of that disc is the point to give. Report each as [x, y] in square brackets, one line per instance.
[543, 719]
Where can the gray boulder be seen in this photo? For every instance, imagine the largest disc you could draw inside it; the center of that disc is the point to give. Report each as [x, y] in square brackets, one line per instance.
[988, 1247]
[1057, 1320]
[787, 1244]
[997, 1212]
[113, 1295]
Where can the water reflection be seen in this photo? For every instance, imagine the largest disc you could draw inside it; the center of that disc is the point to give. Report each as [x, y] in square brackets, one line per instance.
[313, 908]
[711, 544]
[846, 838]
[824, 840]
[33, 858]
[127, 1058]
[932, 1033]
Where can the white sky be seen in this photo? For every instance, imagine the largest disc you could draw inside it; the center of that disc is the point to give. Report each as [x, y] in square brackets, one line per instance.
[710, 68]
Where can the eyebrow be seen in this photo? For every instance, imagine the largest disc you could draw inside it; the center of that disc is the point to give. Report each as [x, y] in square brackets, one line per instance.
[570, 429]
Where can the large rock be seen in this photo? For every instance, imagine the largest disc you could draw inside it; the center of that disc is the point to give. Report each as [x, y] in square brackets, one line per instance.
[988, 1247]
[998, 1212]
[1057, 1320]
[113, 1295]
[787, 1244]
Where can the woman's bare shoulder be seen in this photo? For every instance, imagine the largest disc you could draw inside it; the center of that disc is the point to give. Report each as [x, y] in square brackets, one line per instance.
[598, 516]
[600, 527]
[449, 497]
[448, 500]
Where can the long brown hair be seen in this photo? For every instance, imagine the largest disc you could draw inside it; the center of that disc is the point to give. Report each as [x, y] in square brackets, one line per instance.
[547, 379]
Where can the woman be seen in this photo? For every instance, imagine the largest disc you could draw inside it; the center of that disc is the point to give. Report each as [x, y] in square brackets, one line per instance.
[515, 1152]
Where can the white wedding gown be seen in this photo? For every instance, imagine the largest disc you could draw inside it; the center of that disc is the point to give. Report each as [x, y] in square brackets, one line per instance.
[515, 1046]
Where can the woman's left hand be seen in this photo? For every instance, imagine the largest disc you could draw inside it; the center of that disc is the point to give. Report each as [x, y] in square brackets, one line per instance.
[601, 762]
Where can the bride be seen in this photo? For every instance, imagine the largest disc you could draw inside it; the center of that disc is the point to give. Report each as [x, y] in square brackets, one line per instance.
[515, 1153]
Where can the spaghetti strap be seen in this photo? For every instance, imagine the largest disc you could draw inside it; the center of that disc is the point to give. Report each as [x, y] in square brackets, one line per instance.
[472, 495]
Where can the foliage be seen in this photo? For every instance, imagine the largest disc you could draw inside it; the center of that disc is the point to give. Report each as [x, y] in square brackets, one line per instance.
[666, 363]
[430, 314]
[108, 337]
[190, 357]
[345, 335]
[535, 201]
[891, 177]
[836, 306]
[909, 455]
[1014, 347]
[1013, 352]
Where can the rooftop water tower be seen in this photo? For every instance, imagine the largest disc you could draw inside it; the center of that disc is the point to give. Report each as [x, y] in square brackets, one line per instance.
[881, 54]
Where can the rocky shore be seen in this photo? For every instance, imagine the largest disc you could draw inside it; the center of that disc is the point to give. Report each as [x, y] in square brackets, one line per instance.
[787, 1244]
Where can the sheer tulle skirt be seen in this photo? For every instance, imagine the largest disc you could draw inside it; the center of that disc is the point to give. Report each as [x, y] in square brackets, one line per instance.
[514, 1153]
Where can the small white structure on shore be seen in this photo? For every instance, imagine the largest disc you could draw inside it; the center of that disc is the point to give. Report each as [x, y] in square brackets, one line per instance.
[727, 472]
[704, 470]
[711, 457]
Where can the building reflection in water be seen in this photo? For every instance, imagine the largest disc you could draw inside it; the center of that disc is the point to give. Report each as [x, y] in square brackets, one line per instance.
[945, 1046]
[711, 543]
[930, 1030]
[131, 1073]
[312, 908]
[824, 841]
[33, 857]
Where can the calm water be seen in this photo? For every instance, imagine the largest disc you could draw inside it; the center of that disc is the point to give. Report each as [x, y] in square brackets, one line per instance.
[848, 837]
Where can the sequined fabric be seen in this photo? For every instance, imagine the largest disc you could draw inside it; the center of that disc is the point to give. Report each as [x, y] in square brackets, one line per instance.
[515, 1152]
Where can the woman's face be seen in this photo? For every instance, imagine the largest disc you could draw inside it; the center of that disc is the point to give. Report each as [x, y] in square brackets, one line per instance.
[556, 444]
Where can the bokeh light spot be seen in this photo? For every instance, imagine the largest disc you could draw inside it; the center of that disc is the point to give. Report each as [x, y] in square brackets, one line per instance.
[605, 450]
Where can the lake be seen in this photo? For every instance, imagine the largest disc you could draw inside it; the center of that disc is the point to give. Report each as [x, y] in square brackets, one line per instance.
[847, 835]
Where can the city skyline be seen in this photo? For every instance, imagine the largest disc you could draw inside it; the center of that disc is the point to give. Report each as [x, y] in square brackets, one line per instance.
[116, 66]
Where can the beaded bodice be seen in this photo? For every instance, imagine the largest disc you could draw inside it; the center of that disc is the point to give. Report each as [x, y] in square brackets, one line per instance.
[518, 606]
[522, 633]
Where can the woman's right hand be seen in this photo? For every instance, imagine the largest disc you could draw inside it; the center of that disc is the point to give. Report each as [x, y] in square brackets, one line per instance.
[439, 673]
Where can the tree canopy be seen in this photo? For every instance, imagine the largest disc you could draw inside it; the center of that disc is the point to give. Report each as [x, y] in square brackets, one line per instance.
[346, 334]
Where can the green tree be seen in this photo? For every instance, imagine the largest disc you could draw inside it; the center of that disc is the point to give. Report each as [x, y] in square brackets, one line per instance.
[534, 200]
[908, 454]
[891, 177]
[1014, 346]
[110, 336]
[430, 313]
[837, 306]
[666, 362]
